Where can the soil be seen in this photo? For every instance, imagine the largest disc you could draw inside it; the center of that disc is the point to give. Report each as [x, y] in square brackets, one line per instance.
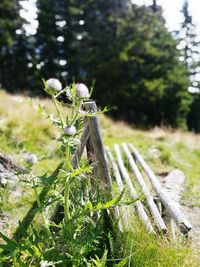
[174, 182]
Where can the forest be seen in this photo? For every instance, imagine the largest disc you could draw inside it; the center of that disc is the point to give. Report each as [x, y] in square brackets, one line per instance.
[124, 51]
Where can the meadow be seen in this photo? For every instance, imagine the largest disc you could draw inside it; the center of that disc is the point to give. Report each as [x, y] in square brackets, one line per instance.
[23, 129]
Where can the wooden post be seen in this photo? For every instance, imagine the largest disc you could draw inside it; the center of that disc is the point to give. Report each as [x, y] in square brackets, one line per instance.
[170, 205]
[138, 205]
[80, 149]
[99, 151]
[154, 210]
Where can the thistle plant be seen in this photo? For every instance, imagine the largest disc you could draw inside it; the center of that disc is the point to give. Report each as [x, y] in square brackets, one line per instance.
[81, 237]
[70, 126]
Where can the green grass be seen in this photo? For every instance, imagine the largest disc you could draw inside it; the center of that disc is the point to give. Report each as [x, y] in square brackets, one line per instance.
[23, 129]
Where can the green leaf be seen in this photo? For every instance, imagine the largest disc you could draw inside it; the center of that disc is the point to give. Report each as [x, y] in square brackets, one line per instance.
[88, 206]
[121, 263]
[99, 206]
[11, 245]
[114, 201]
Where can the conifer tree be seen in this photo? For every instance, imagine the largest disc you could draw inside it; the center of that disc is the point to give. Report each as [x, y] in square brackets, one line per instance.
[135, 63]
[190, 49]
[190, 46]
[14, 47]
[9, 22]
[57, 38]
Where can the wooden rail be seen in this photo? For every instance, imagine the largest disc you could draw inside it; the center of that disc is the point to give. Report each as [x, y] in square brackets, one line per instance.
[138, 205]
[154, 210]
[151, 216]
[170, 205]
[172, 210]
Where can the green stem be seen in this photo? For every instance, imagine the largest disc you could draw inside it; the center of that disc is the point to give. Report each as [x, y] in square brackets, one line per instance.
[58, 111]
[66, 199]
[76, 114]
[67, 186]
[40, 206]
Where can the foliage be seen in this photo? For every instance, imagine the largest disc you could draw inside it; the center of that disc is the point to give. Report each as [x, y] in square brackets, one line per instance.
[194, 114]
[15, 51]
[189, 45]
[190, 48]
[125, 48]
[84, 230]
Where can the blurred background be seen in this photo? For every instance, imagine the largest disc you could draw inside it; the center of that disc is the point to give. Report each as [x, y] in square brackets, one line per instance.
[141, 56]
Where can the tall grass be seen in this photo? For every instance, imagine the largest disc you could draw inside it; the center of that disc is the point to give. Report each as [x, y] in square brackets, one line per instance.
[89, 238]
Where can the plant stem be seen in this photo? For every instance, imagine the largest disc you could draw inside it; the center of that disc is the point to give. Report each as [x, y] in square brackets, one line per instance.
[67, 186]
[76, 114]
[58, 111]
[66, 200]
[40, 206]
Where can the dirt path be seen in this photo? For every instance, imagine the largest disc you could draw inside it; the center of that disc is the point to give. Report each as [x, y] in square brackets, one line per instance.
[174, 183]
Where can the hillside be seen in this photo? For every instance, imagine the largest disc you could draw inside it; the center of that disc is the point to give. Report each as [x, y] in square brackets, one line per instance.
[23, 129]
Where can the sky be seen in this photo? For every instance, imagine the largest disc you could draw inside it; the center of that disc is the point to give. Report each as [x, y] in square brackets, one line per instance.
[171, 9]
[172, 14]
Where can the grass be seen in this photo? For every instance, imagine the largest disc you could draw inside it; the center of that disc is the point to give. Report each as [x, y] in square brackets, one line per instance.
[23, 129]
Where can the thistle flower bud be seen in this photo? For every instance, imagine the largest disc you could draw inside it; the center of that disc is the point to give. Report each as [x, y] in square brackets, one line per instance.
[54, 85]
[44, 263]
[69, 130]
[30, 159]
[82, 90]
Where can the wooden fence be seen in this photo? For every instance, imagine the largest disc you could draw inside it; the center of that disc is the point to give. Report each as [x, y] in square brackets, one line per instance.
[149, 211]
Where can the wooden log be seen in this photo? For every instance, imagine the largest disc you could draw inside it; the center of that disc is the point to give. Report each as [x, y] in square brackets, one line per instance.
[138, 205]
[91, 160]
[124, 212]
[99, 151]
[154, 210]
[170, 205]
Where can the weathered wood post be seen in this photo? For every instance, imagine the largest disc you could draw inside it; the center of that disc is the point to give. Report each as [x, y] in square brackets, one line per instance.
[97, 144]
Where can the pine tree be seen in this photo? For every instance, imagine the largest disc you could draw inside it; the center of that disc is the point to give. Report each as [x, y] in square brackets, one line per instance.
[99, 46]
[135, 63]
[8, 25]
[154, 6]
[57, 38]
[14, 47]
[190, 48]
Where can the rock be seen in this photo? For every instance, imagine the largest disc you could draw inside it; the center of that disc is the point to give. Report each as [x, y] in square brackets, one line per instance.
[3, 180]
[6, 163]
[174, 184]
[7, 171]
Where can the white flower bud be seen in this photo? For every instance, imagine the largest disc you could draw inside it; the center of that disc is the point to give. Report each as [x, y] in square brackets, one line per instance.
[69, 130]
[54, 85]
[82, 90]
[43, 263]
[30, 158]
